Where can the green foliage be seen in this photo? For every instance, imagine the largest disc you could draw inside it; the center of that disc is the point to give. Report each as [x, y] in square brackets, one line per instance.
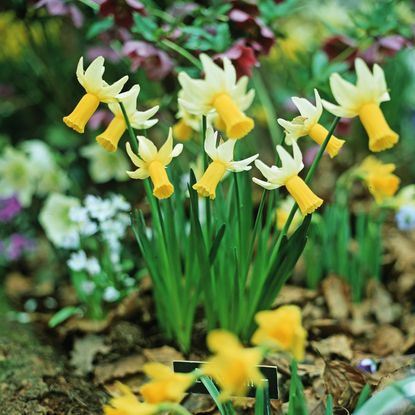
[297, 403]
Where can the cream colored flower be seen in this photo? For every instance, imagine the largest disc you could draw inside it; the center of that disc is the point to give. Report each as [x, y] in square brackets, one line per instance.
[138, 119]
[287, 175]
[363, 100]
[219, 93]
[152, 163]
[307, 124]
[222, 161]
[283, 212]
[97, 90]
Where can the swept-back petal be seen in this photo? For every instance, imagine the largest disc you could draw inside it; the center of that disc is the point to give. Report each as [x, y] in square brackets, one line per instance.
[242, 165]
[266, 185]
[147, 149]
[345, 93]
[93, 75]
[138, 174]
[108, 93]
[134, 158]
[339, 111]
[225, 150]
[210, 143]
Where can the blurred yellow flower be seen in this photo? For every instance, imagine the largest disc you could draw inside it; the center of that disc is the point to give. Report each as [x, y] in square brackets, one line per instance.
[165, 385]
[97, 90]
[283, 211]
[307, 124]
[281, 329]
[219, 94]
[233, 367]
[222, 157]
[287, 175]
[138, 119]
[128, 404]
[152, 163]
[379, 179]
[363, 100]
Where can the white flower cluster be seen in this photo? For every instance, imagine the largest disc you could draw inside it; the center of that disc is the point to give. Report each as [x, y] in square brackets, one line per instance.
[78, 261]
[29, 170]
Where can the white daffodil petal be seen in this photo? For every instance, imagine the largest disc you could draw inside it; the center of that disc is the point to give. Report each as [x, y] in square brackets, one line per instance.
[93, 75]
[306, 108]
[134, 158]
[138, 174]
[338, 111]
[210, 143]
[225, 150]
[242, 165]
[345, 93]
[265, 185]
[109, 93]
[266, 171]
[178, 148]
[147, 149]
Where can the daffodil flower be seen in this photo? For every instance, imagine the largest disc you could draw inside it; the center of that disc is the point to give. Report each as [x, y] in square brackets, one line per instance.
[363, 100]
[128, 404]
[165, 385]
[233, 367]
[219, 93]
[221, 156]
[138, 119]
[97, 90]
[307, 124]
[283, 212]
[281, 329]
[382, 184]
[152, 163]
[287, 175]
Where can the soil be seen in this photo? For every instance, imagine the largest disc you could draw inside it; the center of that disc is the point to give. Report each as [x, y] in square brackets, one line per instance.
[35, 378]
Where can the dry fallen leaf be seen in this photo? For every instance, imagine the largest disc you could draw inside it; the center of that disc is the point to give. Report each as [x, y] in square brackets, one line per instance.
[165, 355]
[84, 351]
[339, 345]
[381, 303]
[337, 295]
[387, 340]
[344, 382]
[119, 369]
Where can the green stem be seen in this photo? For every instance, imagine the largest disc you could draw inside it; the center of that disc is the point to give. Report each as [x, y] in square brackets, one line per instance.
[173, 407]
[183, 52]
[268, 107]
[133, 138]
[307, 180]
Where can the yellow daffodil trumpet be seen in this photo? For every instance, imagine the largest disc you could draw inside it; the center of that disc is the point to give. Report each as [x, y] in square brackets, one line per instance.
[379, 179]
[363, 100]
[281, 329]
[381, 137]
[152, 163]
[138, 119]
[307, 124]
[236, 123]
[287, 175]
[233, 367]
[222, 161]
[219, 94]
[97, 90]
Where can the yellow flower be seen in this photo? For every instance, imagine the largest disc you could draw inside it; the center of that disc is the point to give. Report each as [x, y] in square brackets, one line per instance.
[152, 163]
[127, 404]
[287, 175]
[97, 90]
[363, 100]
[233, 367]
[281, 329]
[166, 386]
[138, 119]
[283, 211]
[222, 157]
[219, 94]
[307, 124]
[182, 131]
[379, 179]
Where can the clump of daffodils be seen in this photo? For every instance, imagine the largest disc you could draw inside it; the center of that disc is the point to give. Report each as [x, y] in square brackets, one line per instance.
[219, 94]
[308, 124]
[97, 91]
[152, 163]
[281, 329]
[222, 161]
[363, 100]
[379, 178]
[287, 175]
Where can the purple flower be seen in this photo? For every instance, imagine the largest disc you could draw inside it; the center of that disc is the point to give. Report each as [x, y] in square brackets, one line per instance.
[100, 118]
[310, 155]
[384, 47]
[9, 208]
[155, 62]
[18, 245]
[60, 8]
[107, 52]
